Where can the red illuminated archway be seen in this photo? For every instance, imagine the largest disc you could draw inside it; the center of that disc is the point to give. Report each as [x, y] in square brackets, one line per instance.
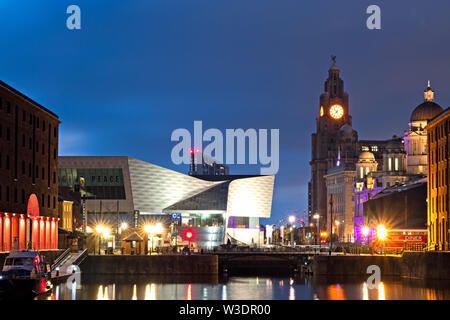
[33, 206]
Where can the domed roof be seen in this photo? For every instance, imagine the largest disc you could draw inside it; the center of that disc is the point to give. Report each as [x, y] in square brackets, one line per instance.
[394, 144]
[347, 129]
[426, 111]
[366, 155]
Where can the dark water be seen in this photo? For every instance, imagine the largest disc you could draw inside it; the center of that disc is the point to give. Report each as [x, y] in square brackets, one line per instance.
[247, 288]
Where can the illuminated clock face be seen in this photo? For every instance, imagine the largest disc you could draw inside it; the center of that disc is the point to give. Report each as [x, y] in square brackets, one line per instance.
[336, 111]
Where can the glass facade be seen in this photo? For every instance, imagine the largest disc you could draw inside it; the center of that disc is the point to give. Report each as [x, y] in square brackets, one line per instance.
[100, 184]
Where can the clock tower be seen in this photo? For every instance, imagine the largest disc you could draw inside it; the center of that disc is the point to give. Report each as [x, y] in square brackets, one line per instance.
[334, 143]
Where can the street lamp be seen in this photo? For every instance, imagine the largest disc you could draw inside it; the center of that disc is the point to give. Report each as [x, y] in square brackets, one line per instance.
[152, 230]
[365, 232]
[381, 235]
[317, 217]
[337, 228]
[99, 229]
[292, 221]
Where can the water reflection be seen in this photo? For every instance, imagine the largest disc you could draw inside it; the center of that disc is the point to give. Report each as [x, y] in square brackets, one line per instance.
[246, 288]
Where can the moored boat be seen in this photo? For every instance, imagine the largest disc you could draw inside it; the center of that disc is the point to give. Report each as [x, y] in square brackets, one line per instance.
[24, 274]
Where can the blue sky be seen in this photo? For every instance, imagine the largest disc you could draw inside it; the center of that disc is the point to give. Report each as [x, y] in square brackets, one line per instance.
[139, 69]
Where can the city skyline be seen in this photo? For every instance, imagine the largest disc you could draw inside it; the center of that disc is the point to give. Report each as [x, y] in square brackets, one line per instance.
[76, 74]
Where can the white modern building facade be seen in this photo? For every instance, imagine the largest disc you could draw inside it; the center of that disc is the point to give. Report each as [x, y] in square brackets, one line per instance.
[221, 209]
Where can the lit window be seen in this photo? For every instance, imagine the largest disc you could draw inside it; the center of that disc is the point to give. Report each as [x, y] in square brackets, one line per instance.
[374, 148]
[396, 164]
[365, 148]
[389, 164]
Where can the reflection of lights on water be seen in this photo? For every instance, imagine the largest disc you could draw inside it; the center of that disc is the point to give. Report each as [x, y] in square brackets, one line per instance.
[291, 281]
[257, 280]
[268, 283]
[57, 292]
[205, 294]
[134, 297]
[281, 283]
[189, 292]
[315, 296]
[102, 295]
[335, 292]
[381, 292]
[74, 290]
[365, 292]
[150, 292]
[291, 293]
[224, 292]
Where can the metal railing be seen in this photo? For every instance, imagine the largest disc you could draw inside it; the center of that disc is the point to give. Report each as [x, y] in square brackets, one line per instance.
[60, 259]
[80, 257]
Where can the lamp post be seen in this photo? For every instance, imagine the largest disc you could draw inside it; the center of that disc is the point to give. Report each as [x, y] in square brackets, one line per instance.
[317, 217]
[292, 221]
[100, 229]
[152, 230]
[337, 229]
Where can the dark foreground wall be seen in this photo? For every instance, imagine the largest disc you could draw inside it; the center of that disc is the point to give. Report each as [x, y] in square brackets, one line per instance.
[422, 265]
[164, 264]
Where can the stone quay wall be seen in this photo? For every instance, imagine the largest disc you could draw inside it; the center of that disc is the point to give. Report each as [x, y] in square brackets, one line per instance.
[422, 265]
[156, 264]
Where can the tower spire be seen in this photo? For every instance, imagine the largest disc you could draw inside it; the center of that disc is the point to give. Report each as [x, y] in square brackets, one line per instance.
[428, 94]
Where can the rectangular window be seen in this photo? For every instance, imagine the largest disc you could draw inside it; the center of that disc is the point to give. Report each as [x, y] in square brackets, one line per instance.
[396, 164]
[24, 115]
[374, 148]
[8, 107]
[8, 134]
[389, 164]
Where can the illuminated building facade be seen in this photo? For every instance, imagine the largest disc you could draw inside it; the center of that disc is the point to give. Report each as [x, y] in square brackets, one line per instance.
[416, 136]
[329, 140]
[334, 143]
[339, 182]
[438, 131]
[28, 173]
[217, 207]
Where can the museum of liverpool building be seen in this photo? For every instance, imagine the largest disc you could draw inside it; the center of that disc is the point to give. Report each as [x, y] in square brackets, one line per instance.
[218, 208]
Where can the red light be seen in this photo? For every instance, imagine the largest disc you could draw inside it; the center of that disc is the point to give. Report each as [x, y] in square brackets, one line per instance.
[197, 150]
[43, 285]
[191, 151]
[189, 234]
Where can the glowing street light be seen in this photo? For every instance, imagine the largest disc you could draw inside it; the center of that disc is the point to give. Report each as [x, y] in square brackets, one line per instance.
[317, 217]
[381, 232]
[365, 232]
[100, 230]
[292, 219]
[152, 230]
[124, 226]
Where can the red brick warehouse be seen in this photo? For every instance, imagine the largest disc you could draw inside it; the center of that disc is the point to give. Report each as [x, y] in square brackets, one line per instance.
[28, 173]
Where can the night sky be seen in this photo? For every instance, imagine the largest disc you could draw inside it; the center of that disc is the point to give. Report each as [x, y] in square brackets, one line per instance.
[137, 70]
